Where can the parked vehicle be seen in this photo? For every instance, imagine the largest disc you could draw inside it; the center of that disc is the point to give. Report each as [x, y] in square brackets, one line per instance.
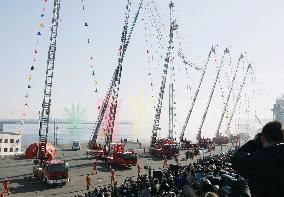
[117, 155]
[52, 172]
[164, 147]
[76, 145]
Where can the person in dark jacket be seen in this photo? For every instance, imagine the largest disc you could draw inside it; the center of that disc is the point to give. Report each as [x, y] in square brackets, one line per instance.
[261, 161]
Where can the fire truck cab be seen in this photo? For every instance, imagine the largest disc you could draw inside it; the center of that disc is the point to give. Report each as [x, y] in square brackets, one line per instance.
[220, 140]
[52, 172]
[206, 144]
[119, 156]
[164, 147]
[97, 151]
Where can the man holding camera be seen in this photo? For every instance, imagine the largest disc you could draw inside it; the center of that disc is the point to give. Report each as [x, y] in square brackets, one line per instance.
[261, 161]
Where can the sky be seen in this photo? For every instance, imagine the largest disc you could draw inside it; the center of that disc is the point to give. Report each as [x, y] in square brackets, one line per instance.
[255, 27]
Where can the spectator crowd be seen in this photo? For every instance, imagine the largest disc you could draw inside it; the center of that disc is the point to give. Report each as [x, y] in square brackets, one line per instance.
[210, 176]
[253, 170]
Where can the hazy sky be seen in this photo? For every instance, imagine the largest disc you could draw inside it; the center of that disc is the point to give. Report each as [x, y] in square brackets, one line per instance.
[255, 27]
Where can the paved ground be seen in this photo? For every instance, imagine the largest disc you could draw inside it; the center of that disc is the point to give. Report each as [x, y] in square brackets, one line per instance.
[23, 184]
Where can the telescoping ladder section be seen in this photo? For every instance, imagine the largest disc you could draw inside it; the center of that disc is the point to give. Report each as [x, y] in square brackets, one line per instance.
[112, 93]
[46, 103]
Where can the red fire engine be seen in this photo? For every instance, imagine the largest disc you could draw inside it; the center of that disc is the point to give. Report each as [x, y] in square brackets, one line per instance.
[164, 147]
[52, 172]
[117, 155]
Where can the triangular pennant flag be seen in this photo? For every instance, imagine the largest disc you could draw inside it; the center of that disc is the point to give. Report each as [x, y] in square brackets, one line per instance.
[32, 68]
[42, 15]
[86, 24]
[41, 25]
[38, 33]
[30, 77]
[29, 86]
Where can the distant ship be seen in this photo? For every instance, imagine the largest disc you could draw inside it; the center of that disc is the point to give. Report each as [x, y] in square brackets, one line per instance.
[278, 110]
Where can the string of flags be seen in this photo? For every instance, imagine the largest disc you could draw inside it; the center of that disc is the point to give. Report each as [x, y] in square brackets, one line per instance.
[90, 44]
[35, 54]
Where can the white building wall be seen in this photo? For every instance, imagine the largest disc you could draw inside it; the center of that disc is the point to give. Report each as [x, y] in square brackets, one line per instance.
[10, 143]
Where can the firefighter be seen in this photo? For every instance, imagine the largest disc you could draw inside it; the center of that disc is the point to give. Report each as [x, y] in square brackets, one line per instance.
[176, 159]
[165, 162]
[95, 168]
[88, 181]
[138, 169]
[6, 183]
[187, 154]
[192, 154]
[113, 180]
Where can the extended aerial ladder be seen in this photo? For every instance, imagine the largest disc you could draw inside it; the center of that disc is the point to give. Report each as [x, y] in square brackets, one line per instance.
[258, 120]
[46, 103]
[173, 27]
[212, 51]
[198, 137]
[112, 93]
[45, 151]
[229, 96]
[238, 98]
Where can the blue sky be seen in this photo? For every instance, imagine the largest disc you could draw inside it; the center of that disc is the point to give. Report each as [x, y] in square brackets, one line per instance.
[255, 26]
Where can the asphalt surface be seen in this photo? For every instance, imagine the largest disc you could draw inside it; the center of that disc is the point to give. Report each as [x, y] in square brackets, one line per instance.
[22, 183]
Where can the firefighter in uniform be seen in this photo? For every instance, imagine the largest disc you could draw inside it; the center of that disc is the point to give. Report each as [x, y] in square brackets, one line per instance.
[138, 169]
[113, 180]
[176, 159]
[6, 183]
[165, 162]
[88, 182]
[95, 168]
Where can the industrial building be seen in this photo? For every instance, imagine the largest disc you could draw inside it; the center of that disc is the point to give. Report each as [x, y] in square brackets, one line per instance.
[10, 143]
[278, 110]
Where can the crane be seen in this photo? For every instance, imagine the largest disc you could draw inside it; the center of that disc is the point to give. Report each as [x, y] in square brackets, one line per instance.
[229, 96]
[112, 93]
[226, 51]
[196, 92]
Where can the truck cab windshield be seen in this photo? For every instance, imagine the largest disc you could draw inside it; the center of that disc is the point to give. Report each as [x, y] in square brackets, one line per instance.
[58, 167]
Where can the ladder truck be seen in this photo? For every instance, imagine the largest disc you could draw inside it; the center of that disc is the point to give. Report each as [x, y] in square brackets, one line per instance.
[219, 139]
[114, 153]
[186, 144]
[206, 143]
[236, 138]
[47, 168]
[165, 147]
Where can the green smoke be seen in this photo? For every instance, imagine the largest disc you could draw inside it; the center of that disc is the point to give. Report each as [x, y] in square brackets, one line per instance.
[75, 116]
